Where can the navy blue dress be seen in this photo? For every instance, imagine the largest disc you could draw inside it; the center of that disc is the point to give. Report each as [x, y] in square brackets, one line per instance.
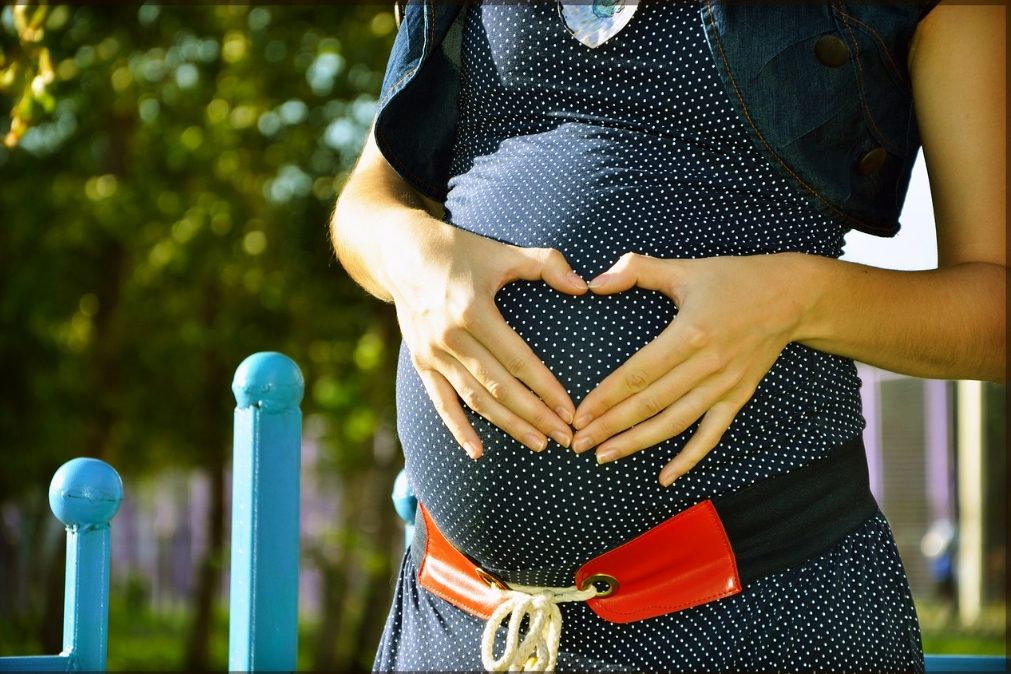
[632, 146]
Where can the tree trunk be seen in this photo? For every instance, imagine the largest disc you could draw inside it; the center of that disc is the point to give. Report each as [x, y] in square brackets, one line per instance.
[215, 403]
[384, 530]
[378, 590]
[56, 573]
[209, 574]
[335, 582]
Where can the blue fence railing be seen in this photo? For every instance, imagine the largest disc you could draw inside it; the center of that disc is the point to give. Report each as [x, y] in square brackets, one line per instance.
[85, 494]
[263, 602]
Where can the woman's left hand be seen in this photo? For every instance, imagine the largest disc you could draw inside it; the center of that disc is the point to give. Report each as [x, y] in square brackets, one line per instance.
[735, 316]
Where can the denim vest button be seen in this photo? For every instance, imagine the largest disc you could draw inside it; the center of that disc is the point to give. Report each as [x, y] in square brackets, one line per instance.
[871, 161]
[831, 51]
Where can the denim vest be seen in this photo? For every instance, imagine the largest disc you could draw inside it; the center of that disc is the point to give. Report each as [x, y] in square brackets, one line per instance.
[823, 89]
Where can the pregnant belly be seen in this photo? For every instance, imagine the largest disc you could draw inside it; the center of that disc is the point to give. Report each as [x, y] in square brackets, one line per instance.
[514, 508]
[535, 517]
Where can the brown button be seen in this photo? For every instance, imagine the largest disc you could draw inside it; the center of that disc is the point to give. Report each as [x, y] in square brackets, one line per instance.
[831, 51]
[871, 161]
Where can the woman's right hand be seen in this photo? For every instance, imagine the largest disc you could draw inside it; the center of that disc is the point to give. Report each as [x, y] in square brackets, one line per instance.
[443, 281]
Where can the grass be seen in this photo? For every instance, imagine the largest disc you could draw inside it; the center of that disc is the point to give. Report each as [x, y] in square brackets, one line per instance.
[142, 640]
[944, 635]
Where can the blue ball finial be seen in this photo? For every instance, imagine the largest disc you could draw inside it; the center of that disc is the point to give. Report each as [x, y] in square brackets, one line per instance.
[404, 500]
[85, 492]
[269, 380]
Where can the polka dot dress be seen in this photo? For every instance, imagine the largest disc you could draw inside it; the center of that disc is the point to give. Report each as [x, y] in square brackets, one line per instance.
[632, 146]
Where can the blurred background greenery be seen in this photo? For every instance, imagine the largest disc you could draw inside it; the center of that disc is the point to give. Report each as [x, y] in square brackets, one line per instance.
[165, 186]
[163, 214]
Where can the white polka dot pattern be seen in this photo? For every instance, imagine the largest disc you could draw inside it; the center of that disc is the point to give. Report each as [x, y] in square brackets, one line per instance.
[632, 146]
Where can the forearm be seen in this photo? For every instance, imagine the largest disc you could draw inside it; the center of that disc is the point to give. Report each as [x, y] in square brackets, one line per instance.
[371, 222]
[945, 323]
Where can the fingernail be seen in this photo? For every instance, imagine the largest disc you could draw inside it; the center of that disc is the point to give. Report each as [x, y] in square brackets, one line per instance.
[564, 414]
[577, 279]
[605, 455]
[582, 420]
[472, 451]
[562, 437]
[667, 477]
[599, 280]
[535, 442]
[582, 444]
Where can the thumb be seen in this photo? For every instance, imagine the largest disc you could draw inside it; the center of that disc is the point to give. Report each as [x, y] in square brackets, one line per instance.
[634, 270]
[550, 265]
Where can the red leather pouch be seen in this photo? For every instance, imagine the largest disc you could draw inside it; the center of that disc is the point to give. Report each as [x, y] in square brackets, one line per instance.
[683, 562]
[446, 572]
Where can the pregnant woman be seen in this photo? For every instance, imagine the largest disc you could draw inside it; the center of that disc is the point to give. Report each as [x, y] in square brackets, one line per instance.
[708, 357]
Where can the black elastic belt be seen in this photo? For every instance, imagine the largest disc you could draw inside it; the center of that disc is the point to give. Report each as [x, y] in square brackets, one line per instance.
[787, 519]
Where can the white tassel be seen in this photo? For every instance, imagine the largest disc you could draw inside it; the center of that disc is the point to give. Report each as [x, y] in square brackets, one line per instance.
[538, 649]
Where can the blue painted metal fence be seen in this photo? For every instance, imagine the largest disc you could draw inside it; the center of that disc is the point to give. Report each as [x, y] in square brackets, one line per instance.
[263, 629]
[85, 495]
[263, 623]
[263, 618]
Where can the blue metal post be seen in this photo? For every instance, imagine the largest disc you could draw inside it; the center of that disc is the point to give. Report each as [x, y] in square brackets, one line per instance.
[85, 495]
[406, 504]
[263, 628]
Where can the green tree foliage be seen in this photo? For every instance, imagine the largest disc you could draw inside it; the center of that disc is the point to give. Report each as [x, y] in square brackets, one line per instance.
[167, 216]
[26, 68]
[172, 213]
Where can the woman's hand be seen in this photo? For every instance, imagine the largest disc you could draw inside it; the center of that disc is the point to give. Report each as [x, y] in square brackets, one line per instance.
[443, 281]
[735, 316]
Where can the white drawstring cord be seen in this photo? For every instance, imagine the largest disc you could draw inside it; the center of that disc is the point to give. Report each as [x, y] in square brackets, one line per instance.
[538, 649]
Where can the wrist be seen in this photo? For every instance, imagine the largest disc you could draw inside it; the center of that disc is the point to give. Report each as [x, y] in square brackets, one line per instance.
[807, 276]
